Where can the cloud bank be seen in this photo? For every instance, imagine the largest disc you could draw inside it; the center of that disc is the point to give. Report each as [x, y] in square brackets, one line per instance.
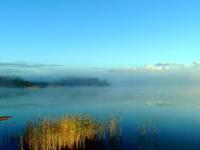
[25, 65]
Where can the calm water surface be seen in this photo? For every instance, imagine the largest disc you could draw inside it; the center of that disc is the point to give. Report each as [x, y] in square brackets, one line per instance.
[169, 115]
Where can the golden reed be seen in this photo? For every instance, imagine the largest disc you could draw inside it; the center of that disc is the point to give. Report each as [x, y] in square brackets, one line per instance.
[69, 132]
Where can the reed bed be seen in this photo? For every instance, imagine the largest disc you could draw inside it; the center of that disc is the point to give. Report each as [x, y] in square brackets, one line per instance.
[66, 133]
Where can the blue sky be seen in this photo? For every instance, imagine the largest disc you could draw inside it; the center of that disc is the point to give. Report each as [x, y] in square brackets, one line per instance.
[99, 33]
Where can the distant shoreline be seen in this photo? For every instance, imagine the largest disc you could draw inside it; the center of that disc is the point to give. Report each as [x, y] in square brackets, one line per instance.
[16, 82]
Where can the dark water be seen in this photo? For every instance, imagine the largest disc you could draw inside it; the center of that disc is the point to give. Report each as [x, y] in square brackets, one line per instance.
[170, 116]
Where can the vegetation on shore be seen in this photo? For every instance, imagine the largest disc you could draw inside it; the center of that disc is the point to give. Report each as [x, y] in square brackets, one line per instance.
[68, 82]
[14, 82]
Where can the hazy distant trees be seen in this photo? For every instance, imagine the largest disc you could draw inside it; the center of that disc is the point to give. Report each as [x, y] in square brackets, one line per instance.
[69, 82]
[82, 82]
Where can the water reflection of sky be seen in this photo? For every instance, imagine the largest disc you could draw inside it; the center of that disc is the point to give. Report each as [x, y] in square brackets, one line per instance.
[173, 112]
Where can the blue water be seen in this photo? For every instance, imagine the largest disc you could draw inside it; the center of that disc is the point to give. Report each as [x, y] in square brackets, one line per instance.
[174, 112]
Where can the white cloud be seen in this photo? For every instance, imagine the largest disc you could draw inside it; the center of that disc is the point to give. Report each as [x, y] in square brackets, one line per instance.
[158, 67]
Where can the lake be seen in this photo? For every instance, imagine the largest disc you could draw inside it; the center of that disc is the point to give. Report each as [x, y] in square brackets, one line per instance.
[169, 115]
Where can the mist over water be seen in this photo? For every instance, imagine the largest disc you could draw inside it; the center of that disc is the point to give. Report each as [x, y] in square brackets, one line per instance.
[149, 75]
